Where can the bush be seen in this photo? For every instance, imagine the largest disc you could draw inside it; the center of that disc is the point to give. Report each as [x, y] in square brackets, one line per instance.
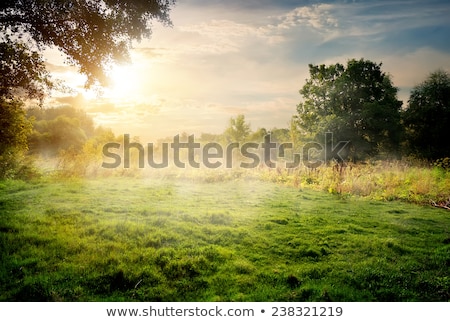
[443, 163]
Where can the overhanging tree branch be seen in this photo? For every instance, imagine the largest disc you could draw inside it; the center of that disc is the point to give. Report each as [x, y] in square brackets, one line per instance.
[93, 34]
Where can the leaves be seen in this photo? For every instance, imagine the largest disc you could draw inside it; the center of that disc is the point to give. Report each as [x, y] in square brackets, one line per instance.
[14, 127]
[23, 72]
[93, 34]
[238, 130]
[427, 118]
[14, 131]
[357, 103]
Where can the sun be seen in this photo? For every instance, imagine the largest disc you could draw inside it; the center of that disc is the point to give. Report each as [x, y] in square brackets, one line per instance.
[125, 82]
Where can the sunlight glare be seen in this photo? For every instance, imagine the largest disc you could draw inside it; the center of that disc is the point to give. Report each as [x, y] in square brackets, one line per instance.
[124, 82]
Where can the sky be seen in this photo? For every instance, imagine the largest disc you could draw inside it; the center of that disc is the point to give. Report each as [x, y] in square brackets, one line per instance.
[224, 58]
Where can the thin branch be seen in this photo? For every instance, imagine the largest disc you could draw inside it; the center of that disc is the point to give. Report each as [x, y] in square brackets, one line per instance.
[442, 204]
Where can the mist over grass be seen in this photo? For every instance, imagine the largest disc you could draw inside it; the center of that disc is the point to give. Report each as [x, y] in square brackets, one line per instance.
[412, 180]
[235, 238]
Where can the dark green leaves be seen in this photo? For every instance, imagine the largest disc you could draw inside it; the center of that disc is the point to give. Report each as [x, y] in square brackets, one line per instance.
[427, 118]
[356, 102]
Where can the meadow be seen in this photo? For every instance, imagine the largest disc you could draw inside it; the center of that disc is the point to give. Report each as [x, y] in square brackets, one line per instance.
[227, 238]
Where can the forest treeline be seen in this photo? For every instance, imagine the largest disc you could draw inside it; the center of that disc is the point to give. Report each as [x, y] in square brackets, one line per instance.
[357, 103]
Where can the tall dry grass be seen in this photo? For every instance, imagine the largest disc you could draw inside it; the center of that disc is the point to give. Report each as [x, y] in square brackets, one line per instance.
[380, 180]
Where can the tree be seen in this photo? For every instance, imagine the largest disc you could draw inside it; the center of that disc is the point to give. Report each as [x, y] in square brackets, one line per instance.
[14, 131]
[258, 135]
[23, 72]
[92, 34]
[357, 102]
[280, 135]
[427, 118]
[238, 130]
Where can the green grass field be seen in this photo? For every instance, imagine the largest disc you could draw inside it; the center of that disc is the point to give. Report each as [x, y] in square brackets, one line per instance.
[125, 239]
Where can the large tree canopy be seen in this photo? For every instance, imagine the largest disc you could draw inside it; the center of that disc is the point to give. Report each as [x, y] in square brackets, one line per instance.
[427, 118]
[92, 34]
[357, 102]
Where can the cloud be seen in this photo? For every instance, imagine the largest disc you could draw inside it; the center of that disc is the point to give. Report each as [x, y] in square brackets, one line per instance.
[155, 55]
[412, 68]
[77, 101]
[378, 20]
[364, 20]
[223, 58]
[219, 36]
[103, 107]
[317, 16]
[225, 36]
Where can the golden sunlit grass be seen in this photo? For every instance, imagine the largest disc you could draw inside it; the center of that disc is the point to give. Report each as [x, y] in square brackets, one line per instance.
[380, 180]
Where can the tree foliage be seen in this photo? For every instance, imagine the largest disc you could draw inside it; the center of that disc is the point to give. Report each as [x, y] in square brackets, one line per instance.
[23, 72]
[427, 118]
[14, 131]
[14, 126]
[92, 34]
[238, 129]
[58, 129]
[357, 102]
